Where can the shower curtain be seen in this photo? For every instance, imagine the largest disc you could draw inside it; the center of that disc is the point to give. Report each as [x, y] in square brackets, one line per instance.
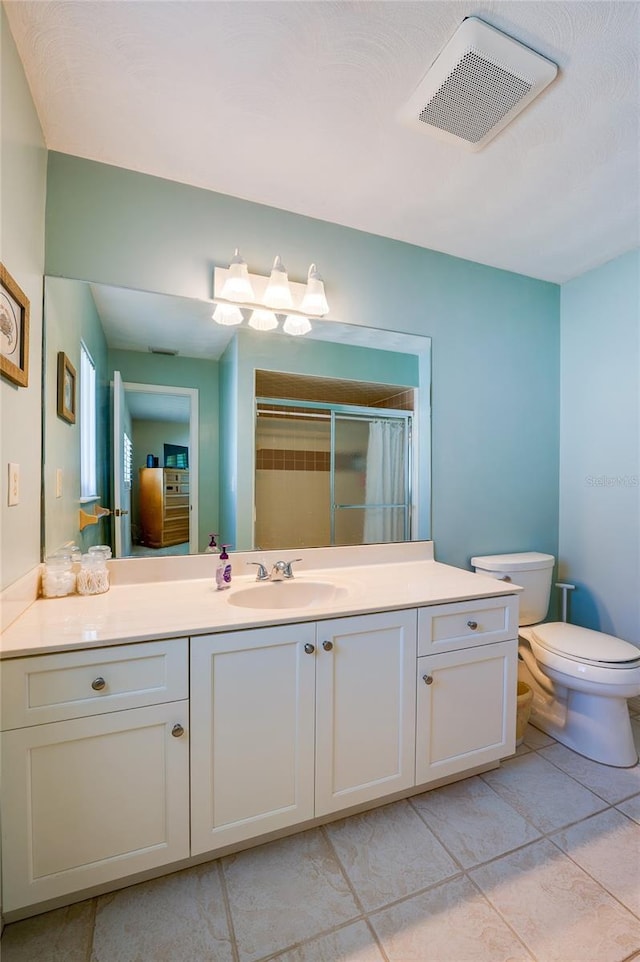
[385, 482]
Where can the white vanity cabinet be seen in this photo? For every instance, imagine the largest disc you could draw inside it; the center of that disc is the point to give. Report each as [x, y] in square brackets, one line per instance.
[95, 767]
[466, 691]
[299, 721]
[252, 733]
[365, 708]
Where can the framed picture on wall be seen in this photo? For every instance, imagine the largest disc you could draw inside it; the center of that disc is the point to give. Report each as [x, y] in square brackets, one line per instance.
[14, 330]
[66, 389]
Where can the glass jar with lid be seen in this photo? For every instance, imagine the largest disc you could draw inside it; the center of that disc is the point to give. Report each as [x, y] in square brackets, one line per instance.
[93, 577]
[58, 576]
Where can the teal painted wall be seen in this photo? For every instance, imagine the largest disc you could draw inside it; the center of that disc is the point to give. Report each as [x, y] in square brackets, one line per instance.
[600, 446]
[71, 318]
[23, 173]
[495, 335]
[193, 373]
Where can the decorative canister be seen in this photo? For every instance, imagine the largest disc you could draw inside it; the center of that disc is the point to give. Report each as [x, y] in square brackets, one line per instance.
[93, 577]
[58, 577]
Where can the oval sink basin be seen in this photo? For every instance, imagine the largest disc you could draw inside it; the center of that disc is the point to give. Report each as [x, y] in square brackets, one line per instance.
[287, 594]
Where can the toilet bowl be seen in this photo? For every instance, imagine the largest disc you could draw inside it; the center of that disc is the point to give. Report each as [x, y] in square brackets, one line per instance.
[580, 678]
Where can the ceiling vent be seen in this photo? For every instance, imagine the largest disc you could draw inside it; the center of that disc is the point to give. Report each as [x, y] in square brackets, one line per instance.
[479, 82]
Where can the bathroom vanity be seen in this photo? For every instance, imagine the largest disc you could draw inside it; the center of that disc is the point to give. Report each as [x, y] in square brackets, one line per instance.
[165, 722]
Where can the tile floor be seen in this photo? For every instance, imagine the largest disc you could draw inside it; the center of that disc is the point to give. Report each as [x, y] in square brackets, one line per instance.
[537, 860]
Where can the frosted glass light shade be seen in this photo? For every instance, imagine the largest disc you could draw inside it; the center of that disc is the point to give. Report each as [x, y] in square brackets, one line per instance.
[237, 286]
[227, 314]
[278, 293]
[295, 325]
[314, 300]
[262, 320]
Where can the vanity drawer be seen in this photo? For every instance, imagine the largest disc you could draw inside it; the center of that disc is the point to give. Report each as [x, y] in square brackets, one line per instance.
[465, 624]
[73, 684]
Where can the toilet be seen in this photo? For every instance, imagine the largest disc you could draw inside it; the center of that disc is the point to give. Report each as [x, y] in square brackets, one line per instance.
[580, 678]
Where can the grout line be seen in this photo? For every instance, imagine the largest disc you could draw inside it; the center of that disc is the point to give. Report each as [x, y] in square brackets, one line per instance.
[227, 907]
[494, 908]
[92, 929]
[451, 855]
[274, 956]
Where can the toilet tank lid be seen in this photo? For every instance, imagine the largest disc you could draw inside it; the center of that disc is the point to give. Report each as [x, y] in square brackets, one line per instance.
[524, 561]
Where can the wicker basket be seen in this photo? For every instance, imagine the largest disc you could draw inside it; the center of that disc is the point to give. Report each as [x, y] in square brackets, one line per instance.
[525, 697]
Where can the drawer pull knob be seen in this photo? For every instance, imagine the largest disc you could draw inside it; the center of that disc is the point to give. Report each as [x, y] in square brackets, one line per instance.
[98, 684]
[427, 679]
[472, 624]
[177, 731]
[309, 648]
[327, 645]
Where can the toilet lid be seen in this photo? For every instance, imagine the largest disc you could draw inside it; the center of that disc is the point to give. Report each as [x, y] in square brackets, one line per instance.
[583, 644]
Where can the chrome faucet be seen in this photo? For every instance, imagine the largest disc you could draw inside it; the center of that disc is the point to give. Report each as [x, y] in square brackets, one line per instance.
[281, 570]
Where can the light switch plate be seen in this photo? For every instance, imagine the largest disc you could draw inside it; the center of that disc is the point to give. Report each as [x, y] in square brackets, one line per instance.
[14, 484]
[58, 482]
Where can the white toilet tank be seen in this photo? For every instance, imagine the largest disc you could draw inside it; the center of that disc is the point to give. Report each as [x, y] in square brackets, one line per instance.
[531, 570]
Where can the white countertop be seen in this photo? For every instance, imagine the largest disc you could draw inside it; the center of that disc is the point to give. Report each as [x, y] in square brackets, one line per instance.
[192, 606]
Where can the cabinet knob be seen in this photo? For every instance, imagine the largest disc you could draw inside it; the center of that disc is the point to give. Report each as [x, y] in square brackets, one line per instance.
[98, 684]
[427, 679]
[309, 648]
[177, 731]
[327, 645]
[472, 624]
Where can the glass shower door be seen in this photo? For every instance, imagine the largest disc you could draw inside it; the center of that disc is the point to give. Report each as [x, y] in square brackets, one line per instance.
[370, 478]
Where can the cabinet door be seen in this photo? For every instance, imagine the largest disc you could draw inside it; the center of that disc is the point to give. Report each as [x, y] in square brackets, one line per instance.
[252, 720]
[466, 711]
[93, 799]
[365, 708]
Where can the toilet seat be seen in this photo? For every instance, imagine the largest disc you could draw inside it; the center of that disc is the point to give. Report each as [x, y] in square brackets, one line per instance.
[585, 646]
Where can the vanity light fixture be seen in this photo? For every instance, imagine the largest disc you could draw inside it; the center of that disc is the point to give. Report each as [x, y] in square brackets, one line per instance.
[296, 325]
[263, 320]
[314, 300]
[278, 292]
[227, 314]
[265, 297]
[237, 286]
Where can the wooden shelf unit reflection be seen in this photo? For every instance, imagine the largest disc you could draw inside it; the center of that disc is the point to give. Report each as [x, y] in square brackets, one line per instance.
[164, 506]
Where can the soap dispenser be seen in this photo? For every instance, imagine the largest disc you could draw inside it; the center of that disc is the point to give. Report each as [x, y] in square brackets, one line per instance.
[223, 570]
[212, 547]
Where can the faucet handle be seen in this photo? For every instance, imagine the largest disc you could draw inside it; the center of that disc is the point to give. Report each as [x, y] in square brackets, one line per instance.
[288, 573]
[263, 574]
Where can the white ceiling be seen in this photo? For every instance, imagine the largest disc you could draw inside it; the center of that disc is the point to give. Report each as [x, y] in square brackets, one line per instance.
[294, 104]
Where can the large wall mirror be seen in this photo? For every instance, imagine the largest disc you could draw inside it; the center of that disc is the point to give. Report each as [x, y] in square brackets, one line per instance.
[268, 440]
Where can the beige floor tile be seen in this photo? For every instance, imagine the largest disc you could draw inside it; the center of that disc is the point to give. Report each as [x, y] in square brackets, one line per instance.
[612, 784]
[634, 704]
[534, 738]
[473, 821]
[389, 853]
[557, 910]
[631, 807]
[285, 892]
[60, 936]
[541, 793]
[354, 943]
[607, 846]
[179, 918]
[450, 923]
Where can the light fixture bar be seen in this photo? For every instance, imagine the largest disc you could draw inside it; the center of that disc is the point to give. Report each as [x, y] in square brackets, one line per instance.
[259, 285]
